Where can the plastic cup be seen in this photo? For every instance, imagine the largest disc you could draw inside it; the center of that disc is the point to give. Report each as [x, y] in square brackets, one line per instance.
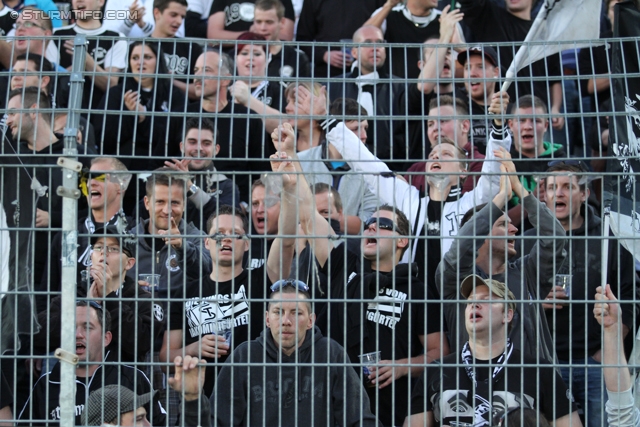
[564, 281]
[225, 329]
[347, 48]
[153, 281]
[368, 361]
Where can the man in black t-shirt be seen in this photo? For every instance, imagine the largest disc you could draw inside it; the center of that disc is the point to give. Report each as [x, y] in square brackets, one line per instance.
[485, 387]
[180, 56]
[225, 306]
[287, 62]
[230, 18]
[241, 136]
[413, 21]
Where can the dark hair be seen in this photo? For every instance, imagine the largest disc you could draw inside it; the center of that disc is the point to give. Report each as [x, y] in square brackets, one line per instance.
[321, 188]
[228, 210]
[522, 417]
[404, 226]
[271, 4]
[164, 176]
[103, 315]
[347, 107]
[162, 5]
[200, 123]
[458, 104]
[293, 290]
[162, 84]
[33, 95]
[577, 171]
[470, 213]
[42, 66]
[528, 101]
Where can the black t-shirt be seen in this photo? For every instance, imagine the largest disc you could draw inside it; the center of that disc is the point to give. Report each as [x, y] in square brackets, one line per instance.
[180, 56]
[6, 21]
[6, 397]
[404, 60]
[447, 391]
[209, 305]
[289, 63]
[238, 15]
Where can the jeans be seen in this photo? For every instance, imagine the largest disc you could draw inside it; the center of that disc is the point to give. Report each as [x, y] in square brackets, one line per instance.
[587, 387]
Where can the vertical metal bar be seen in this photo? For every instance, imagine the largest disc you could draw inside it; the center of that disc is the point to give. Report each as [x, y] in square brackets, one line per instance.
[70, 237]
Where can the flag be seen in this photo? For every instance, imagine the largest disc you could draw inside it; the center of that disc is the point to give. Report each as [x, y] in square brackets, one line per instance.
[560, 23]
[622, 188]
[17, 219]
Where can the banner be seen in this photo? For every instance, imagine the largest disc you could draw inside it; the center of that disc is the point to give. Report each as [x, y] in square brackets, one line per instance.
[559, 23]
[623, 166]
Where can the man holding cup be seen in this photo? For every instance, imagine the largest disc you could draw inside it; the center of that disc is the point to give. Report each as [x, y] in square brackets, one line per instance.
[576, 333]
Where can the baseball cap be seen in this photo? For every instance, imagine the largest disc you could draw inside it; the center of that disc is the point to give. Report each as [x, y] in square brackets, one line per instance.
[127, 241]
[486, 51]
[497, 288]
[109, 402]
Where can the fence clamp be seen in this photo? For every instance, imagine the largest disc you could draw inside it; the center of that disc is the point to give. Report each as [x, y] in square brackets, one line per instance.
[69, 164]
[66, 356]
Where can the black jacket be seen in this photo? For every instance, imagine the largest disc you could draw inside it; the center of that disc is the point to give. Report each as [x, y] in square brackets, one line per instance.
[135, 323]
[577, 334]
[44, 407]
[313, 383]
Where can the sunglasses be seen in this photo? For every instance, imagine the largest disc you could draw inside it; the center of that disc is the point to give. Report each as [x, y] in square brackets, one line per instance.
[499, 421]
[93, 304]
[381, 224]
[86, 178]
[299, 285]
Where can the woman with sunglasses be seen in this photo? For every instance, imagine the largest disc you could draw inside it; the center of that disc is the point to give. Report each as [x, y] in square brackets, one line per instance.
[128, 126]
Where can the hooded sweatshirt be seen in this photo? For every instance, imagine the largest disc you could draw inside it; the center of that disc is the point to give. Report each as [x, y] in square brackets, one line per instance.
[313, 386]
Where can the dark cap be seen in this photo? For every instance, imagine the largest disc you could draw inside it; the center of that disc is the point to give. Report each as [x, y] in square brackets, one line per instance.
[127, 241]
[486, 51]
[249, 37]
[497, 288]
[110, 402]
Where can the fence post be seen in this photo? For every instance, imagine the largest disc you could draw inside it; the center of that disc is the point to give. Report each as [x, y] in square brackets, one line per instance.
[70, 236]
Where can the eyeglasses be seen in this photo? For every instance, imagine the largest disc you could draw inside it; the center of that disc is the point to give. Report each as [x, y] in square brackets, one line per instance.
[218, 237]
[27, 25]
[578, 163]
[86, 178]
[381, 224]
[299, 285]
[108, 249]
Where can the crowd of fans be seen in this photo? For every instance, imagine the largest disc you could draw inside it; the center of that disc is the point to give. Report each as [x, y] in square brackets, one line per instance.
[258, 217]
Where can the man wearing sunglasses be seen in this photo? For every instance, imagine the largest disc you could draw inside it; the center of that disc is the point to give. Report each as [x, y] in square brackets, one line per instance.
[279, 389]
[576, 334]
[476, 385]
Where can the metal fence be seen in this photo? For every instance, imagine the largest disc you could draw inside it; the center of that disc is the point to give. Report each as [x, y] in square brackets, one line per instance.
[384, 253]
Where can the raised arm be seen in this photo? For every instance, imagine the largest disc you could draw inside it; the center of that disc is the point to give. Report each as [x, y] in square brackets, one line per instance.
[620, 407]
[380, 16]
[433, 66]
